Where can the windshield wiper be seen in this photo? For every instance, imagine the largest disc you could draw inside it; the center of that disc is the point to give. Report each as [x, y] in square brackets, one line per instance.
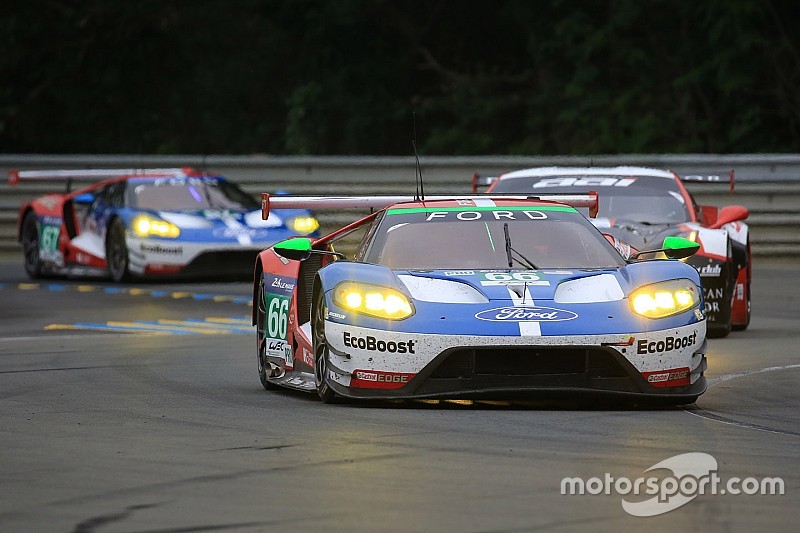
[509, 249]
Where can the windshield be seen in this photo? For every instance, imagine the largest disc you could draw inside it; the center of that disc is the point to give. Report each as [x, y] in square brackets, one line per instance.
[647, 199]
[188, 194]
[457, 238]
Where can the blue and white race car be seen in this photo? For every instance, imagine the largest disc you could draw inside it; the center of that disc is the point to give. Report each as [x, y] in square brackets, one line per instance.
[500, 296]
[152, 222]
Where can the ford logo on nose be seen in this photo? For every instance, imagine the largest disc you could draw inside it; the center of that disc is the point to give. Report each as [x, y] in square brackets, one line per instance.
[526, 314]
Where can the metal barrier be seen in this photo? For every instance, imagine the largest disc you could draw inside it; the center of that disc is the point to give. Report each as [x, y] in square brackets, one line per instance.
[769, 185]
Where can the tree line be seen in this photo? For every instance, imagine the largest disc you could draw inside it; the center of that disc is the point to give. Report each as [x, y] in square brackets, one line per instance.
[320, 77]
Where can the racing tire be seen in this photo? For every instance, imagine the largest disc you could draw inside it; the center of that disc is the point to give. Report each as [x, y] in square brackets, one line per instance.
[742, 327]
[261, 338]
[718, 331]
[30, 246]
[117, 258]
[321, 351]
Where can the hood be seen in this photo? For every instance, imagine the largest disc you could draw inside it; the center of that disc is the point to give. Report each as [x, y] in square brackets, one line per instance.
[223, 224]
[480, 286]
[641, 236]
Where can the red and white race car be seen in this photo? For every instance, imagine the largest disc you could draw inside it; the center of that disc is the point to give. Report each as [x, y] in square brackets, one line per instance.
[640, 206]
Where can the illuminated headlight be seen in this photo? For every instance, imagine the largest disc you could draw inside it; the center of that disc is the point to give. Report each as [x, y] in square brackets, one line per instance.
[382, 302]
[305, 225]
[145, 226]
[666, 298]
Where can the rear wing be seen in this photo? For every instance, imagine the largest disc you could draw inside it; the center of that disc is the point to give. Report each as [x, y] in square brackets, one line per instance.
[15, 176]
[710, 178]
[380, 202]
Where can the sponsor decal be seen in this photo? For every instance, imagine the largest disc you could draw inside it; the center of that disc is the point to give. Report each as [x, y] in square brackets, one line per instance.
[497, 214]
[277, 297]
[373, 344]
[308, 357]
[709, 271]
[740, 291]
[666, 345]
[338, 378]
[593, 181]
[713, 296]
[282, 285]
[699, 314]
[331, 314]
[279, 348]
[376, 379]
[526, 314]
[158, 249]
[512, 278]
[459, 273]
[675, 377]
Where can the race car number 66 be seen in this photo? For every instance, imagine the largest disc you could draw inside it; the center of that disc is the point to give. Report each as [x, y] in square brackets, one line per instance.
[277, 314]
[516, 276]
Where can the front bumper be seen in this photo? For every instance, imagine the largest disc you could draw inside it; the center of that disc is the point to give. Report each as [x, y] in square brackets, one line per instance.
[667, 364]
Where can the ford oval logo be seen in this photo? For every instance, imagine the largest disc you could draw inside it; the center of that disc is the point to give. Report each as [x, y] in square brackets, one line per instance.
[526, 314]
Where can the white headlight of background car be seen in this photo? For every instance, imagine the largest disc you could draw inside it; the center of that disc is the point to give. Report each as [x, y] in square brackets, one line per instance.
[305, 225]
[145, 226]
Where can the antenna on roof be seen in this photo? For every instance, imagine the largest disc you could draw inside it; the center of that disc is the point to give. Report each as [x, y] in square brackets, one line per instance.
[420, 195]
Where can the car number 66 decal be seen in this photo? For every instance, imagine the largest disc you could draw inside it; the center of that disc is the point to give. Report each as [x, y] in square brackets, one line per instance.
[277, 297]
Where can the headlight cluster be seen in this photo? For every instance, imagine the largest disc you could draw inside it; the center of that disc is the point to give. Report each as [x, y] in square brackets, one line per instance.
[305, 225]
[665, 298]
[382, 302]
[145, 226]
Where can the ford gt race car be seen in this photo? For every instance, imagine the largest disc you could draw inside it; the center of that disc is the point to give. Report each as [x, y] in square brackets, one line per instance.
[148, 222]
[640, 206]
[480, 297]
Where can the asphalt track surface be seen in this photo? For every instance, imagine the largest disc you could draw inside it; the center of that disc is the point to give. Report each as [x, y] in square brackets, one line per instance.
[158, 423]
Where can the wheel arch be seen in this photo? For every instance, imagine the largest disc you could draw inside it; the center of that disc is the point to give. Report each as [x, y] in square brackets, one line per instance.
[258, 275]
[23, 213]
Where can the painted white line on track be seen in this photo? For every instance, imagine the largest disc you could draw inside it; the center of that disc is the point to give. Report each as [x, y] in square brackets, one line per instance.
[727, 377]
[708, 415]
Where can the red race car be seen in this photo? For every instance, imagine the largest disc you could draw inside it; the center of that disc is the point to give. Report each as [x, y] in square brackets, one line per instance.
[640, 206]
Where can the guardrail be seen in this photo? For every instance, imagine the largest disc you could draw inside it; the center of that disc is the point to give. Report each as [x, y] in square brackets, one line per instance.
[769, 185]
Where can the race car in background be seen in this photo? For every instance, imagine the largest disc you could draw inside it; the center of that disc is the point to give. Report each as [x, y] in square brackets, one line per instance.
[478, 297]
[640, 206]
[152, 222]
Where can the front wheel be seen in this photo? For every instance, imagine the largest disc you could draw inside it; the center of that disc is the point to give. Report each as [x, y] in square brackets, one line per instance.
[117, 252]
[326, 394]
[30, 246]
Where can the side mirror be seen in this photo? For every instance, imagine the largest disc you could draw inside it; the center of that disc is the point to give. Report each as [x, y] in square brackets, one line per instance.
[673, 247]
[298, 249]
[679, 248]
[728, 214]
[84, 199]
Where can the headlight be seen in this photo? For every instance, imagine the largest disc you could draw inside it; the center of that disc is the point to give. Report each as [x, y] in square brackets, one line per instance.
[665, 298]
[305, 225]
[145, 226]
[382, 302]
